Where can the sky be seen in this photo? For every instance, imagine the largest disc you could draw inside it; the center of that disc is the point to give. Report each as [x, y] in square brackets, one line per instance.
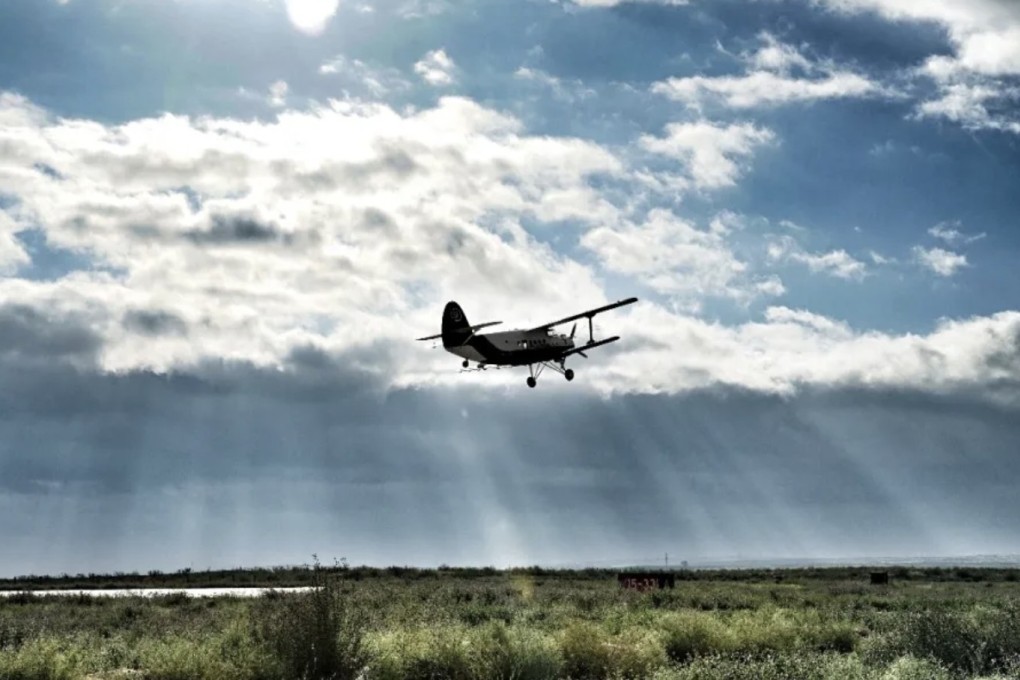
[224, 222]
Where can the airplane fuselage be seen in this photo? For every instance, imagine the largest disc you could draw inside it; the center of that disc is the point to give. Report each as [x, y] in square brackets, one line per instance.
[512, 348]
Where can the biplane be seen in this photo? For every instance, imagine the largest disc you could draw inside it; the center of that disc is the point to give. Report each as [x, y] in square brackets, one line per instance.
[537, 348]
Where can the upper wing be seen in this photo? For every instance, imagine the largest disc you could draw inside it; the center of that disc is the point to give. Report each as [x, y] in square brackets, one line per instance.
[589, 314]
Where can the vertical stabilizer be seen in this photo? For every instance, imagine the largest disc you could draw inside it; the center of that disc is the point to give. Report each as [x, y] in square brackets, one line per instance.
[456, 329]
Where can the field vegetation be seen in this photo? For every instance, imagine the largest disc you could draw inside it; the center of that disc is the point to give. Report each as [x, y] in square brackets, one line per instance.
[532, 624]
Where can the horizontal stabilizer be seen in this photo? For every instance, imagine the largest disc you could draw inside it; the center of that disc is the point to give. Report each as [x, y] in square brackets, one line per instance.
[473, 329]
[591, 345]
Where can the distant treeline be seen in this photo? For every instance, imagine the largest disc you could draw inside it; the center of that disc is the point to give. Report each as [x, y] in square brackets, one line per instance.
[296, 576]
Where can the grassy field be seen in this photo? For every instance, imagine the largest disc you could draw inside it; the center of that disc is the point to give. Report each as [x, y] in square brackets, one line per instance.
[532, 624]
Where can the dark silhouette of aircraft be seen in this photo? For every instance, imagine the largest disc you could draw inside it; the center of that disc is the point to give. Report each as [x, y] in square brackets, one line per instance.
[533, 347]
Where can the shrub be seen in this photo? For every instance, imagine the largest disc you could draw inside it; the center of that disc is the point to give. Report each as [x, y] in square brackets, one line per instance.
[589, 653]
[316, 635]
[586, 653]
[503, 653]
[909, 668]
[688, 636]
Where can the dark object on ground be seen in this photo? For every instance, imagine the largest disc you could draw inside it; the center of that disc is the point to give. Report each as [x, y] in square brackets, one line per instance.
[879, 578]
[646, 580]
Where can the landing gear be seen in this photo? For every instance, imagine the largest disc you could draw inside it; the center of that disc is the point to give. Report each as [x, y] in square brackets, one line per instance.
[558, 367]
[464, 363]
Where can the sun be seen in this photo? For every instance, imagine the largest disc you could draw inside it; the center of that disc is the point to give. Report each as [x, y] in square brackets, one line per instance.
[311, 16]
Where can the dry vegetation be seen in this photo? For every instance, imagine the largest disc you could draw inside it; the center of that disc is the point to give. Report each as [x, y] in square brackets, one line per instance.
[531, 624]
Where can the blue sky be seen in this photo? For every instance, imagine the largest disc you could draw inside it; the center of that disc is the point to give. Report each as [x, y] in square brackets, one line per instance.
[222, 223]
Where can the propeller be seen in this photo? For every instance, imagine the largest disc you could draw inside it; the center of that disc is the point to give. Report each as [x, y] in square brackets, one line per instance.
[572, 331]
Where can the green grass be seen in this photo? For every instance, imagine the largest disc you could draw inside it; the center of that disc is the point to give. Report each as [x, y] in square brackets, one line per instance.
[531, 625]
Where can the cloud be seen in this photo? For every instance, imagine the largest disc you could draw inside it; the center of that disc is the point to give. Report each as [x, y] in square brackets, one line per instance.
[985, 35]
[278, 94]
[333, 235]
[436, 68]
[710, 153]
[791, 351]
[770, 79]
[837, 263]
[569, 91]
[29, 334]
[950, 233]
[314, 456]
[880, 259]
[675, 258]
[376, 81]
[614, 3]
[264, 235]
[942, 262]
[12, 252]
[311, 16]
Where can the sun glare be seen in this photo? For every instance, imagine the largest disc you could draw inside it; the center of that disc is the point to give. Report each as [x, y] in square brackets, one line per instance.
[311, 16]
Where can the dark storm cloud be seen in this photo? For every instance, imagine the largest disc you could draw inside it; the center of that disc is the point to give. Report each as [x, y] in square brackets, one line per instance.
[861, 472]
[238, 229]
[31, 333]
[155, 322]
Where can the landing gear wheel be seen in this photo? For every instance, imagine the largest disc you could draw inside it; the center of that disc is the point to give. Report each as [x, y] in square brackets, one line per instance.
[569, 374]
[464, 363]
[531, 382]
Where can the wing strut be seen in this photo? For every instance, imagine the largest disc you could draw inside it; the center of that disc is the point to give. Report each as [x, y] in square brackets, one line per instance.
[589, 314]
[590, 345]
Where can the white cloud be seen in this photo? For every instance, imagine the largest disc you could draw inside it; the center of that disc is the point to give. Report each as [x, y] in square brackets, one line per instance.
[311, 16]
[950, 233]
[711, 153]
[880, 259]
[376, 81]
[676, 258]
[310, 229]
[417, 9]
[837, 263]
[12, 253]
[345, 227]
[436, 68]
[569, 91]
[942, 262]
[278, 93]
[778, 57]
[768, 81]
[795, 349]
[985, 32]
[986, 39]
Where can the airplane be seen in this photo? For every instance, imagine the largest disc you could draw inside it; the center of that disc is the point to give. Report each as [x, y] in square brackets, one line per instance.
[532, 347]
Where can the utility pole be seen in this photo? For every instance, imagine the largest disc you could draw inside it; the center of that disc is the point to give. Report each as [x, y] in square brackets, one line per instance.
[667, 560]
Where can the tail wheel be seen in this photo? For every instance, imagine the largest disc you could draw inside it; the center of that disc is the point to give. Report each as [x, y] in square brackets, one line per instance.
[464, 363]
[569, 374]
[531, 382]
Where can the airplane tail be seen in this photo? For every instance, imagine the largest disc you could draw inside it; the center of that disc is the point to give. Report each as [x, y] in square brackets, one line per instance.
[456, 329]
